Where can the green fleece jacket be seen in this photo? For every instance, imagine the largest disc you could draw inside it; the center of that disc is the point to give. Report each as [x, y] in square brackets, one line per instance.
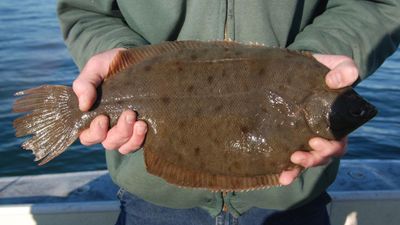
[367, 31]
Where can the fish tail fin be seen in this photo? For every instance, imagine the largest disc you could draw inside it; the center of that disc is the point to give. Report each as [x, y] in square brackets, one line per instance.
[54, 122]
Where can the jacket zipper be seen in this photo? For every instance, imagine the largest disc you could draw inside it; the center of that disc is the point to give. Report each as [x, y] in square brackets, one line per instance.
[225, 206]
[226, 21]
[229, 20]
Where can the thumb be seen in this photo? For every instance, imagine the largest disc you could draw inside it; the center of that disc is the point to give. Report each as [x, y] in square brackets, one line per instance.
[86, 83]
[91, 77]
[86, 92]
[343, 70]
[343, 75]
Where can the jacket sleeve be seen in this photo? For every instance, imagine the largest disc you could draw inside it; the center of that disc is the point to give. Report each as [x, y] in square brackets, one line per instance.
[90, 27]
[366, 30]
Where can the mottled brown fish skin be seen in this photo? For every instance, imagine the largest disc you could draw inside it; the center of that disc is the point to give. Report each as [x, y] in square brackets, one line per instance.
[225, 116]
[226, 111]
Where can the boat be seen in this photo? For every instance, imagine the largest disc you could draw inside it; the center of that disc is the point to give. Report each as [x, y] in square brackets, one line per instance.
[365, 192]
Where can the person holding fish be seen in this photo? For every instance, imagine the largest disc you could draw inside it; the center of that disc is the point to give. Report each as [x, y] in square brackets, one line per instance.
[351, 38]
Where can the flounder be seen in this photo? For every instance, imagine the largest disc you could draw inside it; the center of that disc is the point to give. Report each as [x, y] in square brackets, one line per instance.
[222, 115]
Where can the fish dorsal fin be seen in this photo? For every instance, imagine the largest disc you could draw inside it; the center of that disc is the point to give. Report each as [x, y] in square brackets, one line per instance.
[121, 61]
[133, 56]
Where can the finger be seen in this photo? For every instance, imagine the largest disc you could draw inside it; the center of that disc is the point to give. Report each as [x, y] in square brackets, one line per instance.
[137, 139]
[308, 159]
[343, 75]
[89, 79]
[86, 83]
[328, 148]
[301, 158]
[288, 176]
[86, 93]
[331, 61]
[97, 131]
[121, 132]
[323, 151]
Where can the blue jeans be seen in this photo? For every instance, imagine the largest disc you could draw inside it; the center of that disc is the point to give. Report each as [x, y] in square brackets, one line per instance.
[137, 211]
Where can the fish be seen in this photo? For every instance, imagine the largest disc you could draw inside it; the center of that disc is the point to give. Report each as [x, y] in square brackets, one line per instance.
[221, 115]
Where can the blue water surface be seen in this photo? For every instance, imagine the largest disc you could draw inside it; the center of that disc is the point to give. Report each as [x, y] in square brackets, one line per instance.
[32, 53]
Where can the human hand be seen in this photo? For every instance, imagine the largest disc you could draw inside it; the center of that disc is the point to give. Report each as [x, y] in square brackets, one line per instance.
[343, 72]
[128, 134]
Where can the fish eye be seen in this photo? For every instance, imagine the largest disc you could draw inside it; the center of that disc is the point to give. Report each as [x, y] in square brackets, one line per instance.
[357, 112]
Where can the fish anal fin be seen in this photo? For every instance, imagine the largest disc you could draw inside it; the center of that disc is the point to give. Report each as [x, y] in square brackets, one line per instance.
[183, 177]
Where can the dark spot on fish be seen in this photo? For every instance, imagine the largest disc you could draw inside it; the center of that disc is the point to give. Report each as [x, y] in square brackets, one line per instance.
[218, 108]
[180, 157]
[226, 49]
[261, 72]
[264, 109]
[147, 68]
[216, 141]
[238, 53]
[210, 79]
[196, 151]
[194, 57]
[190, 89]
[181, 124]
[237, 165]
[224, 73]
[245, 129]
[179, 66]
[166, 100]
